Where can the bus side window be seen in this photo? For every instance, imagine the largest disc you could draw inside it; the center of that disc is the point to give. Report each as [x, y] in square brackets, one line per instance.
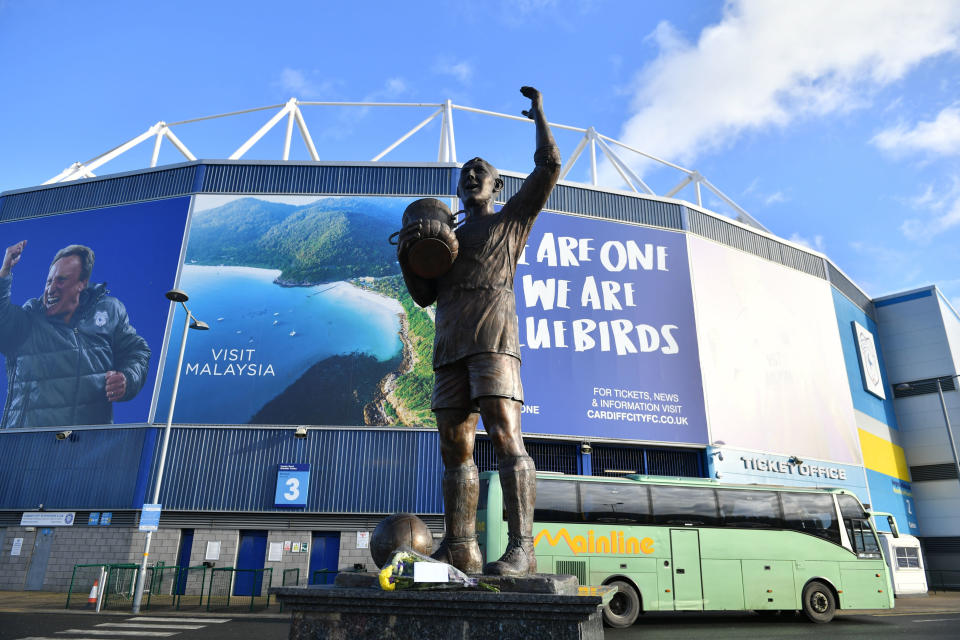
[615, 502]
[557, 501]
[742, 508]
[684, 505]
[811, 513]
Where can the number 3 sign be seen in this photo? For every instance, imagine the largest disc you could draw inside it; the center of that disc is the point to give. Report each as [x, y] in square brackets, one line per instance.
[293, 481]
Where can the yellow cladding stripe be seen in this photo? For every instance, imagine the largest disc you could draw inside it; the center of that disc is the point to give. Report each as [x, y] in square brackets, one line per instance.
[883, 456]
[616, 543]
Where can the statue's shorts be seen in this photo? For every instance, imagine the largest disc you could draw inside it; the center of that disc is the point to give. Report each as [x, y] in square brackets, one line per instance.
[459, 384]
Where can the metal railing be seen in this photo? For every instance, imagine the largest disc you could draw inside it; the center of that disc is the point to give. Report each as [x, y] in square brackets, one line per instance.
[223, 585]
[173, 587]
[291, 577]
[323, 576]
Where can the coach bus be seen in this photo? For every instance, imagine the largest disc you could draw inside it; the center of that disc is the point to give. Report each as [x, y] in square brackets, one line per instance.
[676, 544]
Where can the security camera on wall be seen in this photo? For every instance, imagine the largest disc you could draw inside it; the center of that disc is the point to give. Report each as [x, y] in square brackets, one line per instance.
[63, 435]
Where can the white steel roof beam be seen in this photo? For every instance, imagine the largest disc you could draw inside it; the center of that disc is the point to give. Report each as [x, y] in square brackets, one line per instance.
[451, 143]
[749, 219]
[81, 170]
[182, 148]
[442, 151]
[305, 134]
[680, 185]
[574, 156]
[628, 175]
[236, 155]
[404, 137]
[288, 135]
[156, 148]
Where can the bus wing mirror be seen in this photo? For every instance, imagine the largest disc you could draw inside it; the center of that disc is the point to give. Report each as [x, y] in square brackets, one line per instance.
[893, 526]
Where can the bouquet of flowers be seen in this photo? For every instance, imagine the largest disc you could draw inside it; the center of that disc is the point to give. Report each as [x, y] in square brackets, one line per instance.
[398, 573]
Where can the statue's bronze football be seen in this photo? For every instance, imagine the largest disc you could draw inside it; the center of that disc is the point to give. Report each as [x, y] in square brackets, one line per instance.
[431, 257]
[399, 530]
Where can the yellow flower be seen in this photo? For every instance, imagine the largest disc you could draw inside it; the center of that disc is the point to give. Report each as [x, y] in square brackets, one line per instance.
[385, 582]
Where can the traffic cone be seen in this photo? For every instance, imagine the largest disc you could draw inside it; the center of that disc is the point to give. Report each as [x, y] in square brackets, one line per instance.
[92, 598]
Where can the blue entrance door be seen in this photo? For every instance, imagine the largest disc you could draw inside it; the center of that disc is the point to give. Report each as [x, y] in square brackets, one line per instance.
[183, 560]
[250, 557]
[324, 557]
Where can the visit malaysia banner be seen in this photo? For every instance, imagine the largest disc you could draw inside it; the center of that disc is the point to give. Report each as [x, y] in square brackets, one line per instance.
[606, 321]
[311, 323]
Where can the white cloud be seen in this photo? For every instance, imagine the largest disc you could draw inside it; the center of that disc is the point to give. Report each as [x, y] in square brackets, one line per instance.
[939, 136]
[816, 244]
[461, 70]
[768, 62]
[299, 84]
[939, 212]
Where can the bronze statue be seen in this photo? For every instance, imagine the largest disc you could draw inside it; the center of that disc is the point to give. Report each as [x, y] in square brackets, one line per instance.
[476, 356]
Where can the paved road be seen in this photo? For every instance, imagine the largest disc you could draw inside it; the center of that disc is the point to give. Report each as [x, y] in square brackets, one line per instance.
[43, 626]
[67, 626]
[738, 626]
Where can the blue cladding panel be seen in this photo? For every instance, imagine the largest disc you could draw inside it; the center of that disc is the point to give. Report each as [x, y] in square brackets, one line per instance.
[96, 193]
[611, 206]
[864, 401]
[90, 469]
[300, 178]
[367, 471]
[893, 496]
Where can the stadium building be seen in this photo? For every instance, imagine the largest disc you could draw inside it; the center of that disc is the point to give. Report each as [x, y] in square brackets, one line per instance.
[659, 337]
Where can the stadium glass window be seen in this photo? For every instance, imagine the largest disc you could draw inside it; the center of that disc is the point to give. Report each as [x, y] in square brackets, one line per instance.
[556, 502]
[684, 505]
[749, 508]
[908, 558]
[811, 513]
[612, 502]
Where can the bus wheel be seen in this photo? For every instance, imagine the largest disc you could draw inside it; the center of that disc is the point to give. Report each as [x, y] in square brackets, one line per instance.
[818, 602]
[623, 608]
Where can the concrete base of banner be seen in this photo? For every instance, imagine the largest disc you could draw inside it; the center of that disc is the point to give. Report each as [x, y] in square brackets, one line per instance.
[372, 614]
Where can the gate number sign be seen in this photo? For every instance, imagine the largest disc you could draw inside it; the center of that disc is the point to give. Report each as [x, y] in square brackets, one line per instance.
[293, 481]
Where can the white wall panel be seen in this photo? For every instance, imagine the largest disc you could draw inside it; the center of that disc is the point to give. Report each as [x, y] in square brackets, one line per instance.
[773, 371]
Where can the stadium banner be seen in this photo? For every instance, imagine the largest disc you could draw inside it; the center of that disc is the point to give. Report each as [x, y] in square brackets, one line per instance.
[311, 323]
[774, 370]
[63, 337]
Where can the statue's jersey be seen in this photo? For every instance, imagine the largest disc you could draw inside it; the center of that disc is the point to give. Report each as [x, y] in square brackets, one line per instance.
[476, 311]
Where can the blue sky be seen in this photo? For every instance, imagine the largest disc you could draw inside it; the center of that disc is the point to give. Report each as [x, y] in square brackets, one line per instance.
[836, 125]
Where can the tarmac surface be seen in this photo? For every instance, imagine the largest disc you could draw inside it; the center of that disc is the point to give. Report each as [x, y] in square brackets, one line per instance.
[55, 602]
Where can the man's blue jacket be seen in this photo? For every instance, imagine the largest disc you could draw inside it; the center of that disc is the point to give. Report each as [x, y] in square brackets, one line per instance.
[56, 370]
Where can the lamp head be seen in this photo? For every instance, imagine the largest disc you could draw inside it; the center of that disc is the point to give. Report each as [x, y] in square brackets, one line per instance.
[175, 295]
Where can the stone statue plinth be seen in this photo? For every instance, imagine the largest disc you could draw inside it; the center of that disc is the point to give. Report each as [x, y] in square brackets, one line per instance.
[538, 606]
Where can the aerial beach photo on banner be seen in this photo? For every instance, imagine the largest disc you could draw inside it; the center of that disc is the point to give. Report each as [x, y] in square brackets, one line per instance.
[305, 302]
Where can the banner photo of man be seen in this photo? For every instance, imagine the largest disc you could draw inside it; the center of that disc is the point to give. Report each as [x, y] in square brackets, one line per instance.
[311, 323]
[82, 313]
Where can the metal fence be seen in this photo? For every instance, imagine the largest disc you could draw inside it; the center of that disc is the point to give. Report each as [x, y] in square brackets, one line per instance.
[943, 580]
[323, 576]
[175, 587]
[120, 585]
[231, 587]
[85, 577]
[291, 577]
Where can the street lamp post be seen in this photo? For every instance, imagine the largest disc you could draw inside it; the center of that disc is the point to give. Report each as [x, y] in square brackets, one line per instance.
[190, 322]
[946, 418]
